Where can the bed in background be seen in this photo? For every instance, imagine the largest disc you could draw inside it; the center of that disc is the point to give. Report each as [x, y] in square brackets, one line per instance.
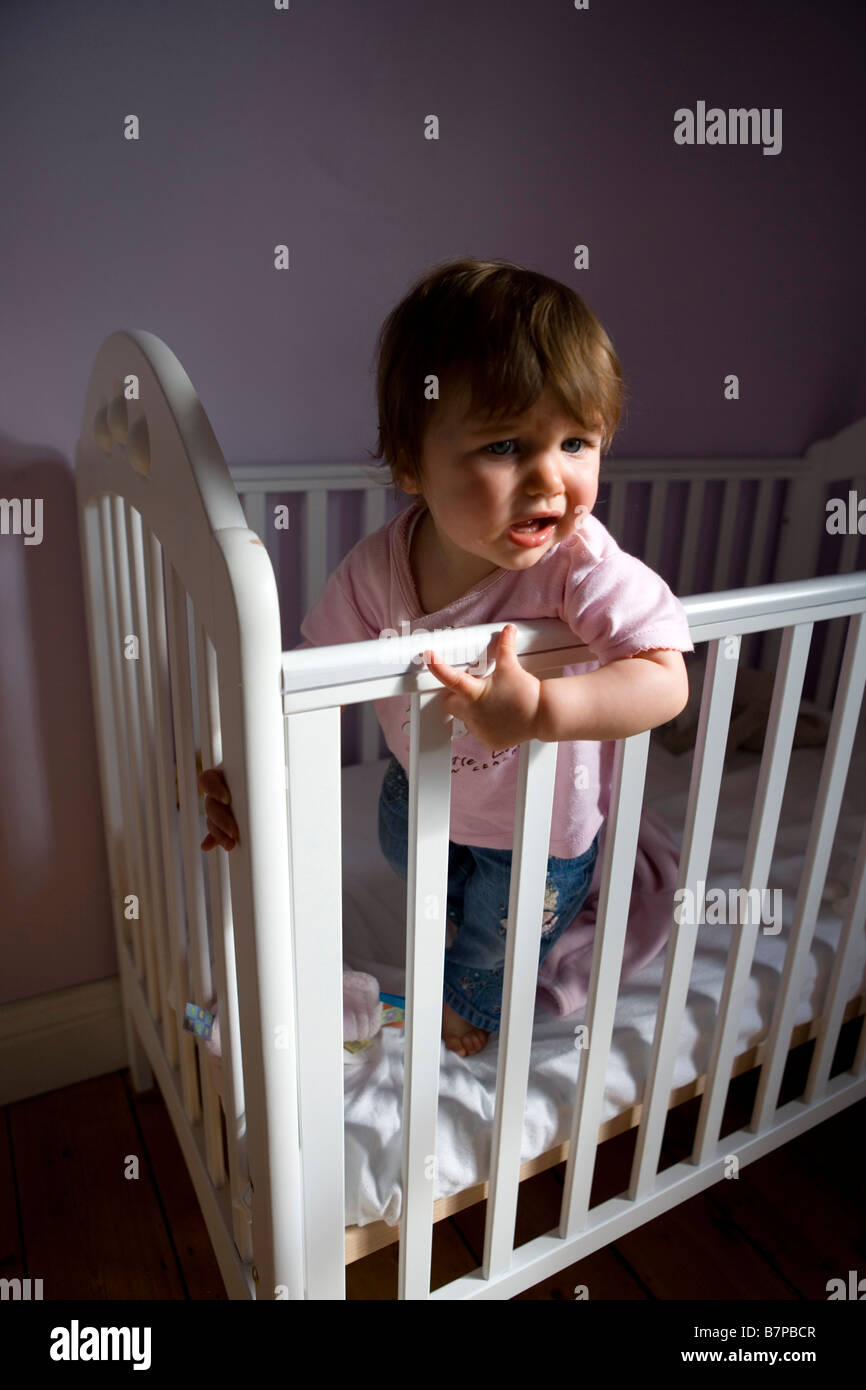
[286, 1151]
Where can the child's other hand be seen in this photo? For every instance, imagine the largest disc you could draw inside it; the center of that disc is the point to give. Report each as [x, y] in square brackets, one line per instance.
[221, 824]
[499, 710]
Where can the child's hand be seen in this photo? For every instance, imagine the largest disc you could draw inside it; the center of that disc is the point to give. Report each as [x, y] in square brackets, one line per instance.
[221, 824]
[500, 709]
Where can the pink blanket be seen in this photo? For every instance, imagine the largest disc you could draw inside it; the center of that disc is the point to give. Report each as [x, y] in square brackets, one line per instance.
[563, 979]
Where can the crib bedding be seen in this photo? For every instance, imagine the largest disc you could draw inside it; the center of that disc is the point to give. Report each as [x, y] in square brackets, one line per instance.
[374, 941]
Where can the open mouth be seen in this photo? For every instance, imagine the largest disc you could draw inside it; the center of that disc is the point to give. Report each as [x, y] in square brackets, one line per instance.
[533, 531]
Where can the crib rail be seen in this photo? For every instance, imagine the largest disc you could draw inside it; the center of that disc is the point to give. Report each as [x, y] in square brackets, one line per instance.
[316, 681]
[732, 523]
[184, 640]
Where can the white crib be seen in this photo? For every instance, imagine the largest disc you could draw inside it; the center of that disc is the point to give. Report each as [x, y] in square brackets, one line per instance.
[186, 654]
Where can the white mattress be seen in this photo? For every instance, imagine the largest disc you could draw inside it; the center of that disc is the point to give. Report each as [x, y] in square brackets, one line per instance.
[374, 941]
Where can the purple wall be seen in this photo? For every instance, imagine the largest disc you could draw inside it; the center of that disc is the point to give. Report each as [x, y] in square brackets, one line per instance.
[306, 126]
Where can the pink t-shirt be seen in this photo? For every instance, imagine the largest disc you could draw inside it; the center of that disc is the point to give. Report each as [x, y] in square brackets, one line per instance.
[612, 601]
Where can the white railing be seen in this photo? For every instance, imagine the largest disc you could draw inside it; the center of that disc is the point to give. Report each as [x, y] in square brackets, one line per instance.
[315, 683]
[769, 526]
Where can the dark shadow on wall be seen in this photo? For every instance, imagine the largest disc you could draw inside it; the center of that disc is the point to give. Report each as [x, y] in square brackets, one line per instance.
[54, 883]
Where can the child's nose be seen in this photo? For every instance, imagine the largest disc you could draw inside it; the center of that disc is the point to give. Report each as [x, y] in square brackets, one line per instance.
[548, 468]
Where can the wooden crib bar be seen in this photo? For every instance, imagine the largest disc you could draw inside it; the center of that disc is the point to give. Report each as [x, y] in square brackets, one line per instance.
[629, 772]
[704, 788]
[181, 1046]
[136, 669]
[769, 793]
[315, 840]
[427, 882]
[536, 774]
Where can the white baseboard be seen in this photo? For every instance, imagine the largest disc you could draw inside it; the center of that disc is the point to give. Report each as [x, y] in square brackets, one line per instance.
[57, 1039]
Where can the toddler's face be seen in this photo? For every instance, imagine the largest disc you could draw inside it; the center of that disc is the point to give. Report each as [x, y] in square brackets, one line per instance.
[479, 482]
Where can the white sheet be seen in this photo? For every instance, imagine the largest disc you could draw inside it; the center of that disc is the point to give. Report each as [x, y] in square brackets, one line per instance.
[374, 941]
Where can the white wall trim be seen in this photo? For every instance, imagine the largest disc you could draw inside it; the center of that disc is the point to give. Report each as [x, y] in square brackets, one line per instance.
[54, 1040]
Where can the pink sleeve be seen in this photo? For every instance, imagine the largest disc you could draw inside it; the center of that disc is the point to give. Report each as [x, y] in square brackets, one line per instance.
[621, 607]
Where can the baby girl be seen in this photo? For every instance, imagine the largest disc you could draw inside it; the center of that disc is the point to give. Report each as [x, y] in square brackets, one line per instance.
[498, 391]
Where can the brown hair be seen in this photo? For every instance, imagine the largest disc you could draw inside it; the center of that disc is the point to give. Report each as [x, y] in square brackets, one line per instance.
[504, 333]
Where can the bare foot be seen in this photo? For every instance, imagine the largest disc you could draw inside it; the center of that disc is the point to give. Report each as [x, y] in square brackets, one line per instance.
[459, 1035]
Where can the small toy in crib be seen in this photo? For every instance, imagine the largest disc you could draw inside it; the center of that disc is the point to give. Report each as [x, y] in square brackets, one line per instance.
[390, 1012]
[393, 1010]
[362, 1017]
[197, 1020]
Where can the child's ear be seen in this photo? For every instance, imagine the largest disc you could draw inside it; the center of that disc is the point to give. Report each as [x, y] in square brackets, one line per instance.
[406, 476]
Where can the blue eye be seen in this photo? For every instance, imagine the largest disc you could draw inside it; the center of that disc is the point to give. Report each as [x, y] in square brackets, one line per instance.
[488, 448]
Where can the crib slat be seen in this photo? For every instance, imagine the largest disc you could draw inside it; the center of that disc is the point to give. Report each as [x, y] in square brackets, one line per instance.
[99, 632]
[185, 771]
[616, 511]
[617, 875]
[101, 640]
[142, 888]
[129, 927]
[655, 525]
[756, 865]
[536, 775]
[222, 945]
[755, 566]
[316, 542]
[182, 1050]
[153, 919]
[760, 532]
[315, 838]
[694, 858]
[846, 560]
[374, 517]
[692, 531]
[374, 509]
[828, 800]
[725, 540]
[841, 982]
[200, 980]
[427, 886]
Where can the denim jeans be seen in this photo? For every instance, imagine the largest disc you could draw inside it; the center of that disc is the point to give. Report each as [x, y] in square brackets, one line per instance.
[478, 890]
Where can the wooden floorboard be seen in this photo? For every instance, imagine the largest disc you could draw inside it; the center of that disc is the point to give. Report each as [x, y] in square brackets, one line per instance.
[193, 1252]
[90, 1230]
[780, 1230]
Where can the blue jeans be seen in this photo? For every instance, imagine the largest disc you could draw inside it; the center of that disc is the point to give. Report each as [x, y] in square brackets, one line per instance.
[478, 891]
